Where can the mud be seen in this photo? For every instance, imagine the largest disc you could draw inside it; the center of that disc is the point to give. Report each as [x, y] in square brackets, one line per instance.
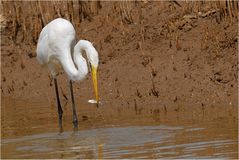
[167, 66]
[165, 58]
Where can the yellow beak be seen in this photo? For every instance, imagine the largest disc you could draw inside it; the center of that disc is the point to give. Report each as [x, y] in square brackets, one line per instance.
[95, 83]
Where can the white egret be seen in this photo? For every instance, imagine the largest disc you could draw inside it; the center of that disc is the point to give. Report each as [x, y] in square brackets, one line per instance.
[54, 48]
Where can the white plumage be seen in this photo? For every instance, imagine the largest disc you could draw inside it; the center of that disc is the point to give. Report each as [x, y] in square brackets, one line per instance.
[57, 45]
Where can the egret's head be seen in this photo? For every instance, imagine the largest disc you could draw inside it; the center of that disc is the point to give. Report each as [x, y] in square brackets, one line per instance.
[93, 56]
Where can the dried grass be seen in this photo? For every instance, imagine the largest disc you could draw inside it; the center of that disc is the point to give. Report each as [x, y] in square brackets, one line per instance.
[31, 16]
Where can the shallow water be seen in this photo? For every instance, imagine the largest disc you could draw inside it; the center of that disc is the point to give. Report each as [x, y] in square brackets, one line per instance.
[29, 130]
[126, 142]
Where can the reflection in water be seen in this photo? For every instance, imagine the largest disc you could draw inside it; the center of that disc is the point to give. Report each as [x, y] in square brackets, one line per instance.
[127, 142]
[100, 151]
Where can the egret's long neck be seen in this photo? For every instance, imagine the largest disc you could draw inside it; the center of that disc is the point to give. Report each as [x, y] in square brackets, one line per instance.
[76, 69]
[79, 60]
[78, 72]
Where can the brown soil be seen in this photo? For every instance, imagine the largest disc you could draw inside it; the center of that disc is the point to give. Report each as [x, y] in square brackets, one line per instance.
[167, 61]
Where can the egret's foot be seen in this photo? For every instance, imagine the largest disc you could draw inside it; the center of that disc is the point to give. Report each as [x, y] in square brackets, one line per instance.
[60, 126]
[61, 130]
[75, 129]
[60, 121]
[75, 124]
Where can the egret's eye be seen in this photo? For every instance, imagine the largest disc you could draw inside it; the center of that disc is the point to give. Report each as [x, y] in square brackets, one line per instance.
[89, 66]
[87, 60]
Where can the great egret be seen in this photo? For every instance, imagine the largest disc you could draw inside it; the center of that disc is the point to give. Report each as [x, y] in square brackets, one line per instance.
[54, 48]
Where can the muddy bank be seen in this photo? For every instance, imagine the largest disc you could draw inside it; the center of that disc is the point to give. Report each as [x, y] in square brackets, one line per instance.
[160, 58]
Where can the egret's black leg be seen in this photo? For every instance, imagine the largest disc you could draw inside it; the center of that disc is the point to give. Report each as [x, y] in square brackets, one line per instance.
[75, 119]
[60, 111]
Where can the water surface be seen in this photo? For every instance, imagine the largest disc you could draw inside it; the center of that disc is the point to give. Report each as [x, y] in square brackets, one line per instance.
[125, 142]
[30, 130]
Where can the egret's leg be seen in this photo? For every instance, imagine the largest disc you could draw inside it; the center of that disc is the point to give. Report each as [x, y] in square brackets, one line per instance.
[60, 111]
[75, 119]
